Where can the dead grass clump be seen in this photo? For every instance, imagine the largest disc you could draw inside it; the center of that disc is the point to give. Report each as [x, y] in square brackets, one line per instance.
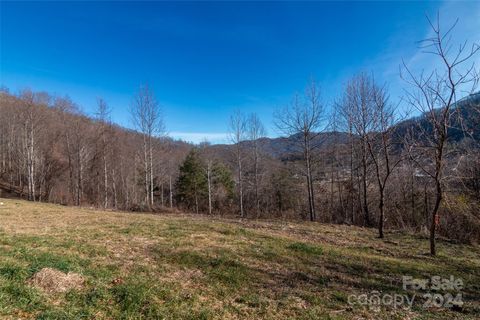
[54, 281]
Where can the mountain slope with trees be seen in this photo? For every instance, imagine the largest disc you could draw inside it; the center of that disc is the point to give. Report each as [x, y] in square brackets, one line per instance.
[358, 165]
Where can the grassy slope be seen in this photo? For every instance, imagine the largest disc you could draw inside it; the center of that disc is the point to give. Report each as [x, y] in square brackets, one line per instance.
[147, 266]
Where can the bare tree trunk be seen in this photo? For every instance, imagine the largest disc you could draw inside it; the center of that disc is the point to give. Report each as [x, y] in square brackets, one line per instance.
[151, 171]
[135, 179]
[105, 181]
[352, 183]
[240, 183]
[32, 160]
[433, 225]
[332, 196]
[70, 167]
[257, 196]
[114, 187]
[170, 191]
[147, 201]
[79, 176]
[382, 214]
[311, 196]
[366, 212]
[126, 191]
[161, 194]
[209, 182]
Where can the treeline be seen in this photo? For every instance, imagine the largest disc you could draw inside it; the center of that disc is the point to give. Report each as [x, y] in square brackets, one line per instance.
[358, 164]
[51, 151]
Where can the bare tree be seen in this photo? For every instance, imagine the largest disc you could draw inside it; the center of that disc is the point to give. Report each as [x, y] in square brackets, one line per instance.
[303, 121]
[255, 130]
[208, 166]
[360, 112]
[238, 129]
[30, 127]
[336, 154]
[103, 115]
[435, 94]
[81, 154]
[345, 118]
[209, 185]
[74, 128]
[147, 117]
[170, 192]
[380, 146]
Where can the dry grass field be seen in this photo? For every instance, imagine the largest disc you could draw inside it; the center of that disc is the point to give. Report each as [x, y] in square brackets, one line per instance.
[144, 266]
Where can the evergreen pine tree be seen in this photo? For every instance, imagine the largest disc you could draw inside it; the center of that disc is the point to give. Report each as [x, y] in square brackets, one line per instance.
[192, 182]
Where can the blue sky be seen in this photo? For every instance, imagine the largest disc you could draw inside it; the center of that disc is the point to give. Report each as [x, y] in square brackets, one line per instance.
[205, 59]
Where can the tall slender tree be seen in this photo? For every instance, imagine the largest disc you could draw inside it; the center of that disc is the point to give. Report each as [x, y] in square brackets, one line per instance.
[303, 121]
[255, 130]
[103, 116]
[147, 117]
[357, 109]
[238, 130]
[380, 145]
[435, 94]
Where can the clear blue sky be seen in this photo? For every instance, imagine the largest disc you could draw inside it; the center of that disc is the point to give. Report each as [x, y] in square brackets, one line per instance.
[206, 59]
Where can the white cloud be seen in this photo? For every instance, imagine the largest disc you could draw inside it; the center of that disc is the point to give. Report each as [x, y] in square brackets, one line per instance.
[198, 137]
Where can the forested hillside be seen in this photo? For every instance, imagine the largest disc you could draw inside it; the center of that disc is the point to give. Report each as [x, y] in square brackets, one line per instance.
[356, 161]
[239, 160]
[52, 152]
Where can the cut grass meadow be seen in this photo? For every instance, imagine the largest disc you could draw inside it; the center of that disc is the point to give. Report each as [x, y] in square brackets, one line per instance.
[143, 266]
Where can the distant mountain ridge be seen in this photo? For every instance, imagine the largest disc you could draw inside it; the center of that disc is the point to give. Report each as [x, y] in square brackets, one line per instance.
[285, 148]
[465, 121]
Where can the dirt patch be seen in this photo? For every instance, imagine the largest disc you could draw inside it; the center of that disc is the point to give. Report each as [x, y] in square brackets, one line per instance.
[54, 281]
